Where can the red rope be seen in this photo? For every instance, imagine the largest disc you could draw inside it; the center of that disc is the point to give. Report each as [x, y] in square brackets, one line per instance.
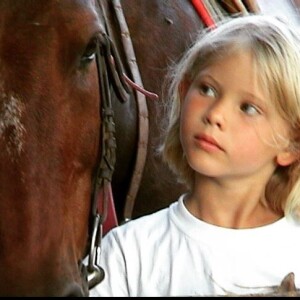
[203, 13]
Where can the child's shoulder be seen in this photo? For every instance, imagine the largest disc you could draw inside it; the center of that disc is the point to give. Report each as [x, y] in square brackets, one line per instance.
[145, 226]
[146, 221]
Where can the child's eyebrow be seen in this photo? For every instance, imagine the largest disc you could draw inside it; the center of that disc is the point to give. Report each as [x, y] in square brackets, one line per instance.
[203, 76]
[255, 97]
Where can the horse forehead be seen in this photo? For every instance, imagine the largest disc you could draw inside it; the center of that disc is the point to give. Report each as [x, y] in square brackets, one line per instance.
[30, 30]
[40, 5]
[44, 24]
[16, 14]
[24, 24]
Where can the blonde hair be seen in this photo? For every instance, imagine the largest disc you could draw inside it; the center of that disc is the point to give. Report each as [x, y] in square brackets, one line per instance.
[275, 46]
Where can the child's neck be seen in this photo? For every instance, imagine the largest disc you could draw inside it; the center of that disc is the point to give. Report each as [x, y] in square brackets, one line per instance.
[230, 206]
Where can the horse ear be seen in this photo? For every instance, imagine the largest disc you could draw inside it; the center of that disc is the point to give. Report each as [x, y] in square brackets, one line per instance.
[286, 158]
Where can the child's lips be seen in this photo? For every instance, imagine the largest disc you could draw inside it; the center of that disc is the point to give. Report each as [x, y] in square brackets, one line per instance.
[207, 142]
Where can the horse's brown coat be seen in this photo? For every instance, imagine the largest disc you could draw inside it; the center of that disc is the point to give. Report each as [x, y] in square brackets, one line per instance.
[49, 134]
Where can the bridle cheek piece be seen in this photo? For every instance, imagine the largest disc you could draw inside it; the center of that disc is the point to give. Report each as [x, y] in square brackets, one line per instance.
[110, 76]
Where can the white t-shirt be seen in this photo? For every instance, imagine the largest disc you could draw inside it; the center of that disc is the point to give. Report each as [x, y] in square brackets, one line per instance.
[172, 253]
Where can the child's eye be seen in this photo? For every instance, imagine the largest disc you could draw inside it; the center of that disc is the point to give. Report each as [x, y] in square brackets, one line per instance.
[207, 90]
[250, 109]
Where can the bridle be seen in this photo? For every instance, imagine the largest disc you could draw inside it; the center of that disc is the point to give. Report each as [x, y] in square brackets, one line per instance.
[110, 76]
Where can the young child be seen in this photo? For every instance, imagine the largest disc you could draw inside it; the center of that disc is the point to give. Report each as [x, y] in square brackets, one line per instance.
[233, 139]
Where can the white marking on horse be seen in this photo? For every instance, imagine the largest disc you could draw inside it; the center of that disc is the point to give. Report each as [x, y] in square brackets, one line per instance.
[11, 128]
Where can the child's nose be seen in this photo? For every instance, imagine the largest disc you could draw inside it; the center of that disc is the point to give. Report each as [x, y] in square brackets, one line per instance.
[216, 114]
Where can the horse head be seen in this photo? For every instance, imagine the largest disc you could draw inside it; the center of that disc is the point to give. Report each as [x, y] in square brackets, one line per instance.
[50, 131]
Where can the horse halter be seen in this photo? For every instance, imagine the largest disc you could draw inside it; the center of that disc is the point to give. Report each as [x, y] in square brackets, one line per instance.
[110, 76]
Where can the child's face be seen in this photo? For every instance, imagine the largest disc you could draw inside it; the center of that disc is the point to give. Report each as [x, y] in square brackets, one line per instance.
[229, 127]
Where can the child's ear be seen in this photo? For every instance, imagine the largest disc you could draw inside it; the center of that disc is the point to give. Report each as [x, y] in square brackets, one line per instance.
[286, 158]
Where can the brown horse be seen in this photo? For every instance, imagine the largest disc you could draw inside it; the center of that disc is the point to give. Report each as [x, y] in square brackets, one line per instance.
[49, 136]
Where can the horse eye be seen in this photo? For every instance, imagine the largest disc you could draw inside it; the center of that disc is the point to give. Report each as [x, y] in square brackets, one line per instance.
[89, 53]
